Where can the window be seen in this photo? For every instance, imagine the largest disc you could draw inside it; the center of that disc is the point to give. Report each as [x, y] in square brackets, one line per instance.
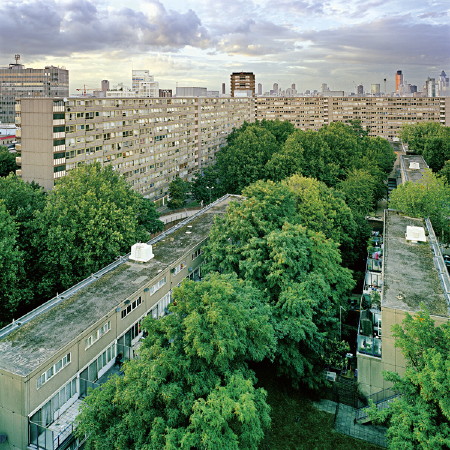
[160, 309]
[93, 338]
[197, 253]
[53, 370]
[157, 285]
[130, 307]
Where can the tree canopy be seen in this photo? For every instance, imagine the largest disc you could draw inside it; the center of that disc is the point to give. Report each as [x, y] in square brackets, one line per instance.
[420, 416]
[429, 139]
[91, 217]
[7, 161]
[298, 270]
[191, 386]
[429, 197]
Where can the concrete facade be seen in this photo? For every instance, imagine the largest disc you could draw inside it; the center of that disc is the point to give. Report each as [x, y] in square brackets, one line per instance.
[412, 273]
[153, 140]
[16, 81]
[150, 141]
[51, 356]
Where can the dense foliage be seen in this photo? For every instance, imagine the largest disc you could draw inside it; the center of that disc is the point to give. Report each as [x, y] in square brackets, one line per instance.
[429, 139]
[296, 268]
[191, 386]
[7, 161]
[428, 197]
[420, 416]
[178, 190]
[53, 240]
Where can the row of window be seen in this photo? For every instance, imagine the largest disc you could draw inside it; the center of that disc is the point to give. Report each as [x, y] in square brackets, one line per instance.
[93, 338]
[53, 370]
[131, 307]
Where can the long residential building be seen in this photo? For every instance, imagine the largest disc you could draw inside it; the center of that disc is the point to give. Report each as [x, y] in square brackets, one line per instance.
[149, 140]
[153, 140]
[50, 357]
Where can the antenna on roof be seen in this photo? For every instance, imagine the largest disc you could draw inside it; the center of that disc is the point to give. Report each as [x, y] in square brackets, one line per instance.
[17, 57]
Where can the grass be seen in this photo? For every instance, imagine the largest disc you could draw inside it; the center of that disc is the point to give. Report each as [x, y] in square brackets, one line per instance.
[297, 424]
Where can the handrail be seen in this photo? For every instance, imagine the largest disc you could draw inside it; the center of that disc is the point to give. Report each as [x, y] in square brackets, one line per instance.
[87, 281]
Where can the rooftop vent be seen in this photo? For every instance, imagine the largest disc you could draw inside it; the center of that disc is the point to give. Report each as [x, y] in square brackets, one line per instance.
[415, 234]
[414, 165]
[141, 252]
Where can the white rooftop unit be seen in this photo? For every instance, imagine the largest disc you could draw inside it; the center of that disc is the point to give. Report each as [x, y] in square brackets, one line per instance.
[415, 234]
[414, 165]
[141, 252]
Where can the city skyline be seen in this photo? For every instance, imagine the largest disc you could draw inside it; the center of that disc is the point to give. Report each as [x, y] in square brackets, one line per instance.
[191, 43]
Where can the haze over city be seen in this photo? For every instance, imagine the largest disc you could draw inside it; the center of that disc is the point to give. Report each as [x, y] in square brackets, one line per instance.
[198, 42]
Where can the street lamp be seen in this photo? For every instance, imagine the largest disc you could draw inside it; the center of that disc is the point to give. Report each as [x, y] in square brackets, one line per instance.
[209, 189]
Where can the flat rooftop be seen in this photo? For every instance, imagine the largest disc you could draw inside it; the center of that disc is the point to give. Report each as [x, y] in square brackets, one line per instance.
[408, 162]
[410, 275]
[31, 344]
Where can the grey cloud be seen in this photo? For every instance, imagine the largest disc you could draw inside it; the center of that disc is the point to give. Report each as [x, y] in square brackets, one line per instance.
[388, 40]
[43, 27]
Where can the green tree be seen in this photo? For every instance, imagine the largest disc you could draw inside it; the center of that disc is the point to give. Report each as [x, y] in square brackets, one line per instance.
[280, 129]
[429, 197]
[429, 139]
[23, 200]
[205, 186]
[298, 270]
[178, 190]
[323, 209]
[242, 161]
[11, 268]
[445, 172]
[190, 386]
[90, 218]
[7, 162]
[420, 416]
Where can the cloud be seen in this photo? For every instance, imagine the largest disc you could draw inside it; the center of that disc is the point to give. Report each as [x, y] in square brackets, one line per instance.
[389, 40]
[46, 27]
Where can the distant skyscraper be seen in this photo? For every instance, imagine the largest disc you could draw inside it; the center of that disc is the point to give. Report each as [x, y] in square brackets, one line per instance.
[293, 86]
[223, 89]
[443, 84]
[143, 84]
[430, 87]
[259, 89]
[398, 80]
[275, 88]
[375, 89]
[242, 84]
[105, 85]
[17, 82]
[360, 89]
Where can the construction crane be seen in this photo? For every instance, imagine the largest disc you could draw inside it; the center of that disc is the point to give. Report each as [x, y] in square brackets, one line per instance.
[84, 90]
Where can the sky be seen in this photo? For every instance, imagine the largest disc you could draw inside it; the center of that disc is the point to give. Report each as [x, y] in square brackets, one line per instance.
[343, 43]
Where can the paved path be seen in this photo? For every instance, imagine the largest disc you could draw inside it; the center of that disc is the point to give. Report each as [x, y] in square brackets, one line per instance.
[344, 422]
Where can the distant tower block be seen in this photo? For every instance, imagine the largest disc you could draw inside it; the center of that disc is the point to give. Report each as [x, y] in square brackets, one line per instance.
[259, 89]
[105, 85]
[242, 84]
[223, 89]
[398, 80]
[375, 89]
[360, 89]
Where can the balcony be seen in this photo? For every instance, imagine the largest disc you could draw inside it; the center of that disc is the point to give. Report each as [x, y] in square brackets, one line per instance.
[60, 432]
[369, 328]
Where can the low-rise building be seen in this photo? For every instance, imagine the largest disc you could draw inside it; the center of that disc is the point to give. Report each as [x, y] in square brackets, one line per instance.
[405, 270]
[51, 357]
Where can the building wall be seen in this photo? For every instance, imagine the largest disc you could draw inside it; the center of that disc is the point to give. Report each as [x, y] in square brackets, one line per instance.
[383, 116]
[21, 397]
[370, 369]
[149, 141]
[18, 82]
[153, 140]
